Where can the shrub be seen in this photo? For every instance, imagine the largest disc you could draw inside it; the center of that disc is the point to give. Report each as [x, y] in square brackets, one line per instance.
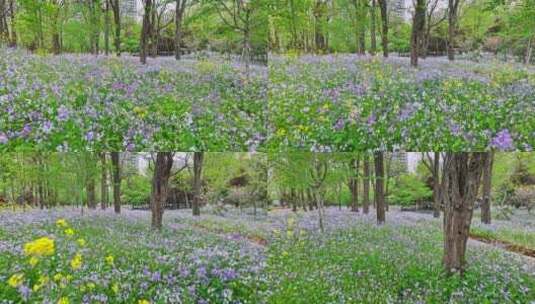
[409, 190]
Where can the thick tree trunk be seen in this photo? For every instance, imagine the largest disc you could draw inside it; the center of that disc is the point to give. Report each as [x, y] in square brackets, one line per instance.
[116, 182]
[198, 158]
[366, 186]
[384, 19]
[145, 32]
[379, 186]
[373, 35]
[452, 27]
[104, 198]
[418, 24]
[160, 184]
[461, 179]
[487, 183]
[436, 185]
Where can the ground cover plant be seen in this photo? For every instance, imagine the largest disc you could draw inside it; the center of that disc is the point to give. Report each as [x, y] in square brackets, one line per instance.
[82, 102]
[350, 103]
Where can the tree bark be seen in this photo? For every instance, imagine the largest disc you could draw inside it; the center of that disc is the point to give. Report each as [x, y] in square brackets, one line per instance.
[198, 158]
[104, 198]
[379, 187]
[436, 185]
[145, 31]
[529, 51]
[179, 13]
[107, 28]
[461, 179]
[354, 184]
[373, 35]
[453, 5]
[418, 24]
[384, 19]
[117, 20]
[487, 183]
[366, 186]
[116, 182]
[160, 183]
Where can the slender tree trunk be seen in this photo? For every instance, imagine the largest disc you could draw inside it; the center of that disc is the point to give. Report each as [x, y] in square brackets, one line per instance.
[379, 186]
[107, 28]
[529, 51]
[366, 186]
[436, 185]
[461, 178]
[178, 27]
[160, 183]
[116, 181]
[487, 183]
[104, 198]
[384, 19]
[145, 31]
[198, 158]
[373, 35]
[90, 188]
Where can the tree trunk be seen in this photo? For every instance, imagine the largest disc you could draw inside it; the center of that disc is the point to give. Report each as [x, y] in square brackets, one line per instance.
[366, 186]
[418, 24]
[384, 19]
[436, 185]
[107, 28]
[354, 184]
[461, 179]
[452, 27]
[178, 28]
[373, 37]
[145, 31]
[104, 198]
[487, 183]
[116, 181]
[379, 186]
[198, 158]
[160, 184]
[90, 188]
[117, 20]
[529, 51]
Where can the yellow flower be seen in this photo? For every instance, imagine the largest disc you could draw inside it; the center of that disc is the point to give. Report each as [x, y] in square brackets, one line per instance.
[64, 300]
[115, 288]
[81, 242]
[43, 280]
[58, 277]
[33, 261]
[110, 260]
[15, 280]
[143, 302]
[76, 262]
[91, 285]
[284, 253]
[62, 223]
[40, 247]
[289, 233]
[69, 231]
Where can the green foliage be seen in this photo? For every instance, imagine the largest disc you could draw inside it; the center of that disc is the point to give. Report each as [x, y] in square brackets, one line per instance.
[409, 190]
[136, 190]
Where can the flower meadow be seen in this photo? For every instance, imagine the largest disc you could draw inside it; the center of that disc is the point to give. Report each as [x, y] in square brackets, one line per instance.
[70, 256]
[82, 102]
[349, 102]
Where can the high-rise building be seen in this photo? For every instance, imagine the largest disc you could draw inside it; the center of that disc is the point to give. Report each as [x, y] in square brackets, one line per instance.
[129, 8]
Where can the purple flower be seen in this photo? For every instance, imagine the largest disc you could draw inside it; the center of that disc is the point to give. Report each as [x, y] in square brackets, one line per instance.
[89, 136]
[229, 274]
[156, 276]
[3, 138]
[47, 127]
[371, 119]
[339, 124]
[63, 113]
[503, 141]
[26, 130]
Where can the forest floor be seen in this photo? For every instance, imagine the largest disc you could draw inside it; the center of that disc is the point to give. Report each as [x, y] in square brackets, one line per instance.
[274, 257]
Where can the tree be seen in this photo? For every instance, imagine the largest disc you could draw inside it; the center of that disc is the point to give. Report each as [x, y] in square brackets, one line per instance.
[453, 7]
[487, 179]
[418, 25]
[116, 182]
[107, 27]
[354, 165]
[373, 21]
[366, 186]
[461, 179]
[104, 198]
[384, 19]
[160, 184]
[180, 7]
[117, 22]
[197, 174]
[433, 165]
[318, 174]
[379, 187]
[146, 30]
